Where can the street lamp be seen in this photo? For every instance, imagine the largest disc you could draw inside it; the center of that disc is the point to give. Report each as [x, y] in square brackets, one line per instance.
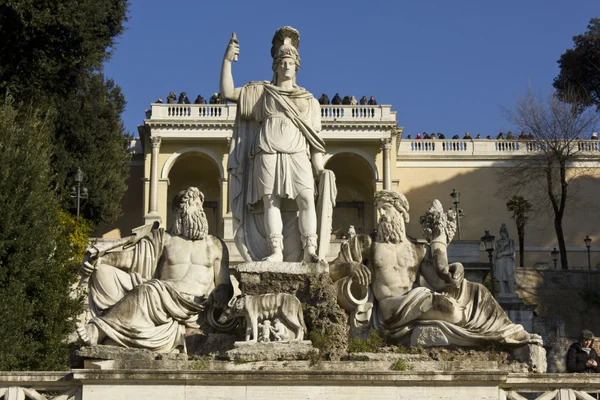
[77, 192]
[555, 253]
[459, 212]
[588, 243]
[488, 243]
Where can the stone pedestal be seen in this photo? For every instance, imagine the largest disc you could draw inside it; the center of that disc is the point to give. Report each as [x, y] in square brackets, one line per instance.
[114, 357]
[273, 351]
[326, 322]
[517, 310]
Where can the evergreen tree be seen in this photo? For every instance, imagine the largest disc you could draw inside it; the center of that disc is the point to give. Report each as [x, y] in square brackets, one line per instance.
[580, 68]
[89, 134]
[52, 53]
[47, 45]
[520, 207]
[37, 267]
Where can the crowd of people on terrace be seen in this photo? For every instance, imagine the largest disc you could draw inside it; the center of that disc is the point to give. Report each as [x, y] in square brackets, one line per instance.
[347, 100]
[183, 99]
[216, 99]
[467, 136]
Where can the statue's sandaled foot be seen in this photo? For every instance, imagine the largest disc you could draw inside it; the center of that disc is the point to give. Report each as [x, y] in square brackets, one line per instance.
[309, 244]
[88, 333]
[310, 256]
[275, 257]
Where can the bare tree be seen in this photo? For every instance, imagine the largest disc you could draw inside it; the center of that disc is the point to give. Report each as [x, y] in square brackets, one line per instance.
[547, 168]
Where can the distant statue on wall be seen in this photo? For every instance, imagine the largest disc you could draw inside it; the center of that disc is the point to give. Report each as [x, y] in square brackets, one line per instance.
[275, 140]
[504, 268]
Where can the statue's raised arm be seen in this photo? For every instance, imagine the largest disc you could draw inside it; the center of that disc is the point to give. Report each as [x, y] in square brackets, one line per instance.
[274, 147]
[228, 89]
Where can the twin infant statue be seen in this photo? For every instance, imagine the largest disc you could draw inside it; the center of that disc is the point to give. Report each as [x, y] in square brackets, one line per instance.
[144, 290]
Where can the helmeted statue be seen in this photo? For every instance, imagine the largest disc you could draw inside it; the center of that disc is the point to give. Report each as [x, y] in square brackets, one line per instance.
[275, 140]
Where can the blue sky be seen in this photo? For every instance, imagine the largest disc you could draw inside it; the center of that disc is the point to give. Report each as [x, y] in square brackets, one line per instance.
[444, 66]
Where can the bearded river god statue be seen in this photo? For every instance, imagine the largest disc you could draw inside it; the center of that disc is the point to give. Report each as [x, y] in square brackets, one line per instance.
[414, 286]
[145, 289]
[275, 140]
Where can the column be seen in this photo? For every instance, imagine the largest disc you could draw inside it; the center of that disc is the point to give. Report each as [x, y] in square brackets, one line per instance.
[153, 214]
[386, 145]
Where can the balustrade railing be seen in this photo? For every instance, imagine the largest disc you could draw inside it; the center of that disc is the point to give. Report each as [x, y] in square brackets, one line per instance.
[227, 112]
[408, 147]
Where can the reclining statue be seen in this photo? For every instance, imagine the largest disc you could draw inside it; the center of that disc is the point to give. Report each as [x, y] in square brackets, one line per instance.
[413, 284]
[145, 289]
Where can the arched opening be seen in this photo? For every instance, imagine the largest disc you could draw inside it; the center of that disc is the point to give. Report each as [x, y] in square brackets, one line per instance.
[354, 178]
[199, 170]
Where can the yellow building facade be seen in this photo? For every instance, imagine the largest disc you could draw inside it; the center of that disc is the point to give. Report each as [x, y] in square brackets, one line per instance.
[184, 145]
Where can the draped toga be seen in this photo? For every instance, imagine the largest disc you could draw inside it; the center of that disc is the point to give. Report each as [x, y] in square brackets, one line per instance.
[274, 135]
[136, 310]
[482, 319]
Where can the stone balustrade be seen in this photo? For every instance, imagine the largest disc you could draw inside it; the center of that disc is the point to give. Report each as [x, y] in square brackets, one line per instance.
[304, 383]
[227, 112]
[483, 147]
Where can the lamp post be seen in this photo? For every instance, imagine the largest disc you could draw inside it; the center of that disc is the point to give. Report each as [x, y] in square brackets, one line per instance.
[488, 244]
[77, 192]
[588, 243]
[459, 213]
[555, 253]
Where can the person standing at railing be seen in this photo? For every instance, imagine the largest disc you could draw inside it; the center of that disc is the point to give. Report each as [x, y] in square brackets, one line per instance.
[337, 100]
[594, 136]
[500, 136]
[467, 136]
[522, 136]
[324, 100]
[200, 100]
[363, 101]
[214, 99]
[441, 136]
[581, 356]
[478, 136]
[372, 101]
[510, 136]
[353, 101]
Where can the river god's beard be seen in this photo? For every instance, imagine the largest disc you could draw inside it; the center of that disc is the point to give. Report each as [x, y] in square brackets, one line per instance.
[390, 229]
[193, 225]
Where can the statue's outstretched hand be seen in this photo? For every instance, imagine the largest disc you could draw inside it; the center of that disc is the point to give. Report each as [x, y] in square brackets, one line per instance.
[233, 49]
[220, 296]
[360, 273]
[456, 274]
[88, 265]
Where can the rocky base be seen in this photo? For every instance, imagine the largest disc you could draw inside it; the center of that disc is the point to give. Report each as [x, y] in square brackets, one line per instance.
[272, 351]
[114, 357]
[326, 322]
[534, 355]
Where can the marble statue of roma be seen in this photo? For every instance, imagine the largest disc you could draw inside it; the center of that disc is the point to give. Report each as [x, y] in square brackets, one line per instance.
[504, 266]
[414, 285]
[275, 141]
[145, 289]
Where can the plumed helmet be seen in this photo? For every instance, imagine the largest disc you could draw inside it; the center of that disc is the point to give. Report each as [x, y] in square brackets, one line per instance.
[286, 42]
